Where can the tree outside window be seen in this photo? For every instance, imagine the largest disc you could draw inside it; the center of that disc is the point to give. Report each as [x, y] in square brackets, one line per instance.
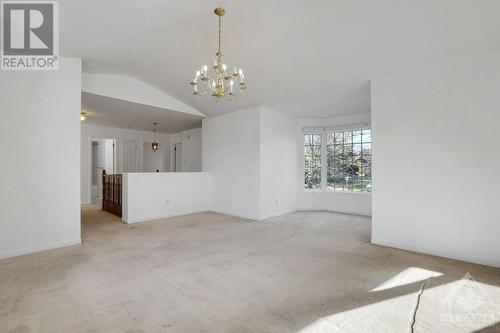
[312, 161]
[349, 156]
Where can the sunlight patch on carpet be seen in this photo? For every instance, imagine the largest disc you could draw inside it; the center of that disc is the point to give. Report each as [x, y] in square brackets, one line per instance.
[408, 276]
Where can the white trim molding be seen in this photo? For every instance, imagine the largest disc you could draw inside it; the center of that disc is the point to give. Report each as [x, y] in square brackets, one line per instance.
[44, 247]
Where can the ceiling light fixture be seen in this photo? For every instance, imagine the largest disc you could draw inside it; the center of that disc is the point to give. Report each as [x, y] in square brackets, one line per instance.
[154, 145]
[219, 81]
[83, 116]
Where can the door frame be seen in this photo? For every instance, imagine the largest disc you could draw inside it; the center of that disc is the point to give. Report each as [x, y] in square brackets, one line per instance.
[174, 157]
[89, 174]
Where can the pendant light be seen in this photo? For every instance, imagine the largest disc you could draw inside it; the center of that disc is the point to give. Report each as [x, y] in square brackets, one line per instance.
[154, 145]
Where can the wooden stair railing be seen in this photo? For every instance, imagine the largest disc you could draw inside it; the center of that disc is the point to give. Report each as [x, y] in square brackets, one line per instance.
[112, 193]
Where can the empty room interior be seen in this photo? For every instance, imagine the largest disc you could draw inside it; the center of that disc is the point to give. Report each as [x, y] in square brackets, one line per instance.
[250, 166]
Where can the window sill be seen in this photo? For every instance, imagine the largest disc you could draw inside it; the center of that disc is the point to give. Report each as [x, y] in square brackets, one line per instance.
[340, 192]
[313, 190]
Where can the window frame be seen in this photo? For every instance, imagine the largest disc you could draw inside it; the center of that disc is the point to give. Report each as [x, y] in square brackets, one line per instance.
[324, 162]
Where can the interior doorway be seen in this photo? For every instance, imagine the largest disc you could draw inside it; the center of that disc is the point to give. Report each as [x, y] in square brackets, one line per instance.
[103, 158]
[178, 157]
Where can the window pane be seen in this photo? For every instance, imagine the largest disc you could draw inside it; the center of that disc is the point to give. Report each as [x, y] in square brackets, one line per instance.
[356, 136]
[367, 149]
[338, 149]
[312, 178]
[307, 139]
[367, 135]
[330, 138]
[330, 150]
[349, 161]
[338, 138]
[316, 150]
[347, 137]
[307, 150]
[312, 161]
[356, 148]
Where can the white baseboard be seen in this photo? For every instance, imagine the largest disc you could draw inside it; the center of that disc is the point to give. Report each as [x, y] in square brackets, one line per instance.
[281, 214]
[164, 216]
[277, 215]
[45, 247]
[333, 211]
[438, 253]
[243, 216]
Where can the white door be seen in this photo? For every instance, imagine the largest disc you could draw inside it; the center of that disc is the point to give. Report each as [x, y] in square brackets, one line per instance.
[96, 180]
[178, 157]
[129, 156]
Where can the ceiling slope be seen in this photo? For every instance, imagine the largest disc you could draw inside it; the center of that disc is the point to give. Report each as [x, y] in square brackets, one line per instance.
[132, 90]
[311, 58]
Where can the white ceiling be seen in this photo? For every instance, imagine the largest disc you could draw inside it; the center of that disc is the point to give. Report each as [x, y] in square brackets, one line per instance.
[309, 58]
[106, 111]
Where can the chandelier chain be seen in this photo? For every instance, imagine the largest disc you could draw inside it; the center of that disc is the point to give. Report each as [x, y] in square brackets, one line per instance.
[219, 30]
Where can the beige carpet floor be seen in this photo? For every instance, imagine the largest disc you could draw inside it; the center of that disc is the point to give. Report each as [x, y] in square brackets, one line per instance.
[302, 272]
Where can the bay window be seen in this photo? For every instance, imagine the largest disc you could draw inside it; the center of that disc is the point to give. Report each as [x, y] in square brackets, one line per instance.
[343, 157]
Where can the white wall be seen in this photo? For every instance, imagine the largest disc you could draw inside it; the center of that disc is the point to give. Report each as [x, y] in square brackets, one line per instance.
[92, 131]
[252, 156]
[149, 196]
[39, 173]
[153, 160]
[231, 153]
[342, 202]
[436, 159]
[278, 163]
[108, 155]
[191, 149]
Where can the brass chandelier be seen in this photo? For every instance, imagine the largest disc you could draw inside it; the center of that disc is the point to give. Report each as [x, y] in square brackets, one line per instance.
[219, 82]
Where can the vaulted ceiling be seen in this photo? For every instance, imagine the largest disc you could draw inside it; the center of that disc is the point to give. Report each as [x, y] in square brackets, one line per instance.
[309, 58]
[112, 112]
